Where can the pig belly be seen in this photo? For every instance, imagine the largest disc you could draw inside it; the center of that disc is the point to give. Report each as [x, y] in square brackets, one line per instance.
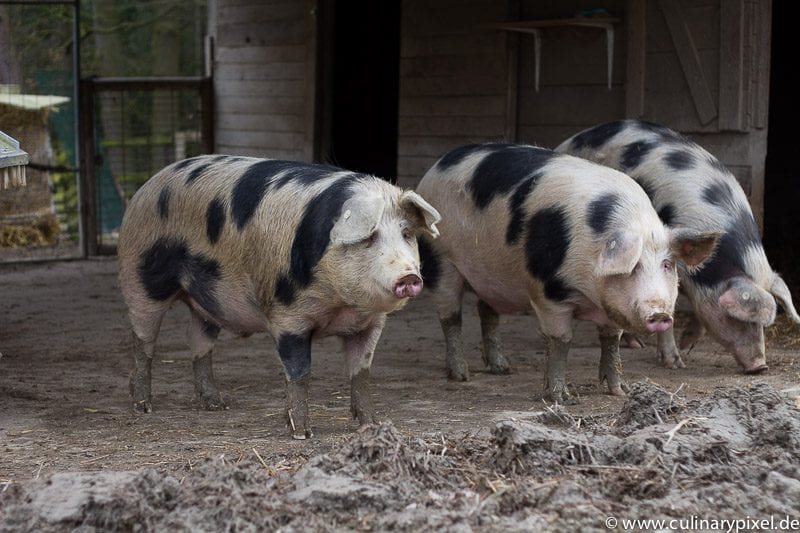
[505, 294]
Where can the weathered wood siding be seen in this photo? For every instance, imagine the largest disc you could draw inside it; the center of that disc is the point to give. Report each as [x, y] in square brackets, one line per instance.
[264, 63]
[453, 80]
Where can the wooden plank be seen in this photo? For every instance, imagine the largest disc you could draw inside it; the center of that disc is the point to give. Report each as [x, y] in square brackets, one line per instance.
[260, 71]
[702, 22]
[289, 105]
[422, 46]
[258, 12]
[263, 88]
[636, 54]
[263, 33]
[763, 22]
[548, 136]
[250, 151]
[260, 54]
[477, 65]
[687, 54]
[264, 139]
[571, 105]
[312, 98]
[731, 43]
[436, 146]
[448, 126]
[512, 74]
[452, 86]
[476, 106]
[261, 121]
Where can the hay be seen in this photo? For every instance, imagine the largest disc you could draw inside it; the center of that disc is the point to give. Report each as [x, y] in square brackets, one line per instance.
[44, 231]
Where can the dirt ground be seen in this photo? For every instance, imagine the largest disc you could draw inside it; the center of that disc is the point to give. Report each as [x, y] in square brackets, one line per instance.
[486, 454]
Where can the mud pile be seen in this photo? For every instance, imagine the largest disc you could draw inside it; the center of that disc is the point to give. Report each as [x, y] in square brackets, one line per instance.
[733, 454]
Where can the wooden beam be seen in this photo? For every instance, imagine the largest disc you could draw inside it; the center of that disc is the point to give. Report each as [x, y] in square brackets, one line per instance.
[312, 22]
[763, 22]
[731, 63]
[635, 71]
[512, 61]
[690, 61]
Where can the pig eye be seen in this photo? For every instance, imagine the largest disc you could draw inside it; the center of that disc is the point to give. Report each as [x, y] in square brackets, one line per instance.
[667, 265]
[408, 234]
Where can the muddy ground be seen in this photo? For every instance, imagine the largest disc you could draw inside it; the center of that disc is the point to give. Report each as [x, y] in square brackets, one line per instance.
[489, 454]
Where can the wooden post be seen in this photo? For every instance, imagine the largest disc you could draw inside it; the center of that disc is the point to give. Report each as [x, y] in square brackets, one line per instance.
[634, 79]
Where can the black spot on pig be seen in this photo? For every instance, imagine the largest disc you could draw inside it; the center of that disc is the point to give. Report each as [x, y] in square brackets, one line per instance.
[728, 260]
[210, 329]
[304, 175]
[251, 187]
[196, 172]
[597, 136]
[679, 160]
[634, 153]
[517, 221]
[160, 268]
[163, 203]
[600, 211]
[546, 247]
[180, 165]
[431, 267]
[313, 234]
[555, 289]
[667, 214]
[215, 219]
[284, 290]
[718, 193]
[665, 133]
[295, 354]
[167, 267]
[503, 169]
[456, 156]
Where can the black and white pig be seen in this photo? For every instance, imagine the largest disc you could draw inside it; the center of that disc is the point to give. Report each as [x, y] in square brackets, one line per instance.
[528, 228]
[734, 294]
[252, 245]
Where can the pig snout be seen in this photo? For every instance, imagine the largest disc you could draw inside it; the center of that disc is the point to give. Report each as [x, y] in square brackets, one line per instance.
[408, 286]
[658, 322]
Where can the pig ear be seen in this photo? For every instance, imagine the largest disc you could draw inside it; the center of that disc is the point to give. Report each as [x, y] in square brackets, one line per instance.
[748, 302]
[359, 217]
[692, 248]
[421, 212]
[781, 293]
[620, 254]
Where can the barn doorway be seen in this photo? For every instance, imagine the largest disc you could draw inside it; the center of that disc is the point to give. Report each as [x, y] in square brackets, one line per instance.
[782, 183]
[360, 53]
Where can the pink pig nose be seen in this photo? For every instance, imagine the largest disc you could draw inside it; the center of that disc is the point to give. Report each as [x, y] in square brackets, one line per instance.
[658, 322]
[408, 286]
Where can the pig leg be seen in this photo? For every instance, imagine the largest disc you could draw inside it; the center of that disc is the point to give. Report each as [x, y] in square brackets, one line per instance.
[610, 362]
[492, 357]
[202, 336]
[295, 354]
[359, 349]
[692, 333]
[668, 352]
[447, 297]
[557, 331]
[146, 319]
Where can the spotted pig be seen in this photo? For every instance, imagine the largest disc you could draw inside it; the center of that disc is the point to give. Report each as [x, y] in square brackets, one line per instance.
[734, 295]
[254, 245]
[528, 228]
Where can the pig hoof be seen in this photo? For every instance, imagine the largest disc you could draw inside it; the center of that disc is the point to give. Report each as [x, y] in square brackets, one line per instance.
[561, 395]
[632, 341]
[672, 361]
[213, 404]
[143, 406]
[460, 373]
[619, 390]
[302, 434]
[497, 364]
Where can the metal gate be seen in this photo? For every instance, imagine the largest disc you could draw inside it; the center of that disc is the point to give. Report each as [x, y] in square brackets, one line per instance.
[131, 128]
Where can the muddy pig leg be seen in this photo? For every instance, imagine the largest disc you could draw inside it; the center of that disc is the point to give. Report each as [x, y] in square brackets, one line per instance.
[557, 331]
[359, 349]
[610, 362]
[146, 322]
[295, 353]
[668, 352]
[491, 354]
[202, 336]
[447, 297]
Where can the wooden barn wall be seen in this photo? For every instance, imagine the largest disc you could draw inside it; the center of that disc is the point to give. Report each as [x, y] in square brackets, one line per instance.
[453, 80]
[573, 92]
[699, 67]
[264, 61]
